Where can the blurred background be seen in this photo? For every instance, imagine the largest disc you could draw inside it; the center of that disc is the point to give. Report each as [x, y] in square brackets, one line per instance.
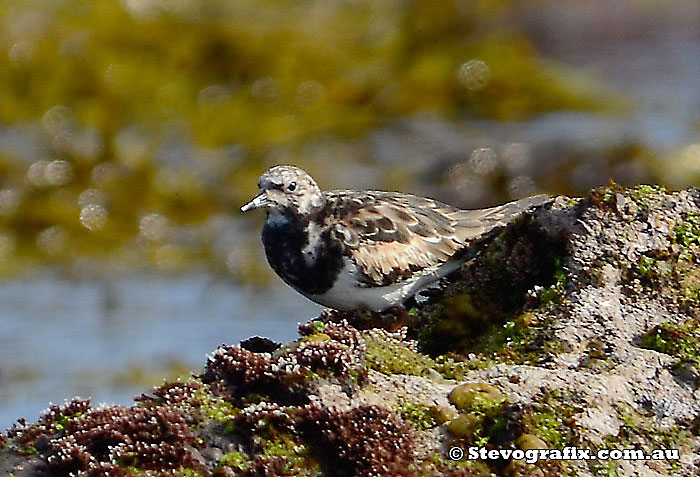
[131, 131]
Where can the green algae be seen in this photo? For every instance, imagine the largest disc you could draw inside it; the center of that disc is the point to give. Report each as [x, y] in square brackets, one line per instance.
[680, 340]
[530, 441]
[236, 461]
[188, 473]
[687, 231]
[466, 426]
[643, 194]
[551, 417]
[477, 468]
[557, 290]
[296, 456]
[222, 412]
[421, 416]
[476, 396]
[318, 326]
[316, 338]
[483, 415]
[524, 340]
[597, 357]
[605, 468]
[391, 356]
[180, 472]
[615, 194]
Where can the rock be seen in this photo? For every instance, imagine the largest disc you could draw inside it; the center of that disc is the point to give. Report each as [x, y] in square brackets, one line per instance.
[576, 326]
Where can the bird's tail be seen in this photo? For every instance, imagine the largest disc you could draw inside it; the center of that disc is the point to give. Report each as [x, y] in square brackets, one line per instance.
[483, 223]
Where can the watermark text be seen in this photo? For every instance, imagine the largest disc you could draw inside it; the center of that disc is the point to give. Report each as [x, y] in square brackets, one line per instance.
[532, 456]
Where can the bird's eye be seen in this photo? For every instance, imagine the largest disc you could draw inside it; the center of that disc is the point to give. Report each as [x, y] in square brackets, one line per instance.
[292, 186]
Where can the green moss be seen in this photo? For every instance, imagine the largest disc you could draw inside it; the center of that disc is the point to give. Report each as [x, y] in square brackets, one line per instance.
[236, 461]
[391, 356]
[687, 232]
[188, 473]
[643, 194]
[679, 340]
[218, 410]
[296, 455]
[423, 417]
[318, 326]
[557, 290]
[552, 417]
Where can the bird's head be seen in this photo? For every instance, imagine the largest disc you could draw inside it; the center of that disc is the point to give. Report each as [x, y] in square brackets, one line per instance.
[287, 191]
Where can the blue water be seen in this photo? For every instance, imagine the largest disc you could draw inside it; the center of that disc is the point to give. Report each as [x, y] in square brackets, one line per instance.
[61, 338]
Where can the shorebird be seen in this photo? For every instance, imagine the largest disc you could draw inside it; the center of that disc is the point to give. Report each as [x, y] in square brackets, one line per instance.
[352, 249]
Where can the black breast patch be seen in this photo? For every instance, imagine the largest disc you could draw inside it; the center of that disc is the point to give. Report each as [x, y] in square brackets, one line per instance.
[283, 248]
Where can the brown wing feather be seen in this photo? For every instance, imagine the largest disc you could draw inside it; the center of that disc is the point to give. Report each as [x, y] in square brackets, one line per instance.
[392, 235]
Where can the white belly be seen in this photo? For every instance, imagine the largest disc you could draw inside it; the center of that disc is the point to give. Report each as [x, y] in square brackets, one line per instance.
[347, 295]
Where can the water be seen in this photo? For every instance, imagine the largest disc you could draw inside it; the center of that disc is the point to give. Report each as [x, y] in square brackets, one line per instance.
[61, 338]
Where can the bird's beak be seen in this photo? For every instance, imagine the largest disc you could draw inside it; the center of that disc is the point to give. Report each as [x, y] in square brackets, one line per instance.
[260, 200]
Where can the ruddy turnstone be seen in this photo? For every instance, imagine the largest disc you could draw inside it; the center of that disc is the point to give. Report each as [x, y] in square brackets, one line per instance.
[348, 249]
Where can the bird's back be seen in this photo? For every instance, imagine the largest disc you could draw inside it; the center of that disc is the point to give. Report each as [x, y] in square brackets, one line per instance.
[391, 236]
